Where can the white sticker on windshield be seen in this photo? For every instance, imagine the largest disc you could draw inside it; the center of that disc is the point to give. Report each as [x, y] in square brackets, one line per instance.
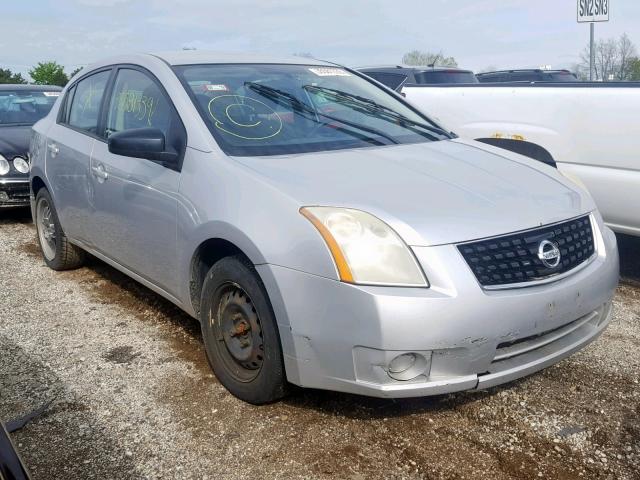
[216, 88]
[329, 72]
[51, 94]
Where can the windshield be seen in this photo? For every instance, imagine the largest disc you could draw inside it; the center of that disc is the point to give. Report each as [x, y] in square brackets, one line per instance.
[445, 76]
[25, 107]
[256, 110]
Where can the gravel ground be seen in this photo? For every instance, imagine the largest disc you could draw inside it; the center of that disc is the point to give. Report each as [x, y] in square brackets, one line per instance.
[130, 395]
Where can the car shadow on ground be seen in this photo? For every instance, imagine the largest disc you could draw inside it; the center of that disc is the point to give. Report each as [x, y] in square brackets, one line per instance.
[629, 248]
[359, 407]
[15, 215]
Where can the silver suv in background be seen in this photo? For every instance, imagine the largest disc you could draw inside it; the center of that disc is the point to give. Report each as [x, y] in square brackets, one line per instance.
[323, 231]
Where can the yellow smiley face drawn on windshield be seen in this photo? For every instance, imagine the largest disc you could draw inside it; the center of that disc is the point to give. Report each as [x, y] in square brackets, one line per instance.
[244, 117]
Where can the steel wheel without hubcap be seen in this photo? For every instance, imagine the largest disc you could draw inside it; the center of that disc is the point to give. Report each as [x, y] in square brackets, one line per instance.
[237, 331]
[46, 229]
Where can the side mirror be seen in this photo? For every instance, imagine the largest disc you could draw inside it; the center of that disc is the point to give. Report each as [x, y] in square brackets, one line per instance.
[148, 143]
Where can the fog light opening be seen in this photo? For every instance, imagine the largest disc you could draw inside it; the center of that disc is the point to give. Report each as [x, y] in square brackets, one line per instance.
[407, 366]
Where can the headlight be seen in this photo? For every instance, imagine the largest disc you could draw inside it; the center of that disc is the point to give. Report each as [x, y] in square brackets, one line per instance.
[365, 249]
[21, 165]
[4, 166]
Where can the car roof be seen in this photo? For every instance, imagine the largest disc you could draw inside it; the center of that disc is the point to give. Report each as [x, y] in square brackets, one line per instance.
[192, 57]
[22, 86]
[417, 68]
[525, 70]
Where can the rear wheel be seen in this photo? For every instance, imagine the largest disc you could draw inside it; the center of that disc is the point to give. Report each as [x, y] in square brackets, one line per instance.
[240, 332]
[58, 253]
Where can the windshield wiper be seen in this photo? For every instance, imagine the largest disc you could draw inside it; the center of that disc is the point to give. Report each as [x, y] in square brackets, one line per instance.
[369, 107]
[278, 96]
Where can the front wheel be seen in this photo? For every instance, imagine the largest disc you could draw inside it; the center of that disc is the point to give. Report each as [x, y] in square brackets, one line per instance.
[58, 253]
[240, 332]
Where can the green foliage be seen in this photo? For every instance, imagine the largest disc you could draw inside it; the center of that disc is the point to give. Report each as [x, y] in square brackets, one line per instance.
[73, 74]
[634, 69]
[7, 76]
[416, 57]
[49, 73]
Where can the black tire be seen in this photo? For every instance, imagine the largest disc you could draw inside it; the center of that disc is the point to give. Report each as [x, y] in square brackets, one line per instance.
[58, 254]
[240, 332]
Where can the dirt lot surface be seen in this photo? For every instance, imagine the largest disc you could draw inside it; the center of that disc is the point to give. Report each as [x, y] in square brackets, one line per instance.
[130, 395]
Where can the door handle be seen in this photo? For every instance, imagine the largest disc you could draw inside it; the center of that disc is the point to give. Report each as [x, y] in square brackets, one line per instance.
[99, 172]
[53, 149]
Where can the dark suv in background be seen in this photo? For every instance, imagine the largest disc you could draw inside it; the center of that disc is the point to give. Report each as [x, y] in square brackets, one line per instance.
[20, 107]
[527, 75]
[395, 77]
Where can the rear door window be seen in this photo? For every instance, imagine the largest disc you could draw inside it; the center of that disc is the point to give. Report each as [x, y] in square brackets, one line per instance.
[85, 106]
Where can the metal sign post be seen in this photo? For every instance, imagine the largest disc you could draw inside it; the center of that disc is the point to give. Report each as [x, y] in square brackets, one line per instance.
[592, 53]
[591, 11]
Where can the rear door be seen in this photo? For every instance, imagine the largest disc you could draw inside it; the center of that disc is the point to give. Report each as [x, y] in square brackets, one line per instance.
[136, 199]
[69, 145]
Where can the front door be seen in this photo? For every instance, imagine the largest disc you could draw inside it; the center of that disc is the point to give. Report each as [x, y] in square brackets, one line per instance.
[135, 199]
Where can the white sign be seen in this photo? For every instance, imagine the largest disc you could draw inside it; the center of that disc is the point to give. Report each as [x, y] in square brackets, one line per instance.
[593, 11]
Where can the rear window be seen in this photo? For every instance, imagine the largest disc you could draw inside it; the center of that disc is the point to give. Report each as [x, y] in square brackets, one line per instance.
[445, 76]
[523, 77]
[560, 77]
[25, 107]
[391, 80]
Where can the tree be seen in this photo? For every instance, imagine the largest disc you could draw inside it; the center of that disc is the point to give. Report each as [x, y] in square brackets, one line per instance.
[49, 73]
[634, 69]
[7, 76]
[613, 59]
[626, 53]
[416, 57]
[75, 71]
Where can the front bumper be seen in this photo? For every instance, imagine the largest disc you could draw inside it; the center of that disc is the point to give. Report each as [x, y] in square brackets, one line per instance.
[14, 192]
[342, 337]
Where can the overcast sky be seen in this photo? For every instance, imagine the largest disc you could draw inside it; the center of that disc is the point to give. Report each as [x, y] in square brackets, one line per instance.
[478, 33]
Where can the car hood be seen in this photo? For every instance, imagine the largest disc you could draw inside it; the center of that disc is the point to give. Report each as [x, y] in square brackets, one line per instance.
[430, 193]
[14, 140]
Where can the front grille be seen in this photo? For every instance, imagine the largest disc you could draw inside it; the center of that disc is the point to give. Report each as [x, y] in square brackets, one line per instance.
[17, 193]
[514, 258]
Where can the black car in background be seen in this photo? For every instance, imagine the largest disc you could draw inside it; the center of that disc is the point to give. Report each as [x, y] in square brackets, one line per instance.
[395, 77]
[527, 75]
[20, 107]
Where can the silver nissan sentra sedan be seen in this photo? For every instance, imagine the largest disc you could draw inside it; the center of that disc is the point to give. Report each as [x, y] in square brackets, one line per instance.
[324, 232]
